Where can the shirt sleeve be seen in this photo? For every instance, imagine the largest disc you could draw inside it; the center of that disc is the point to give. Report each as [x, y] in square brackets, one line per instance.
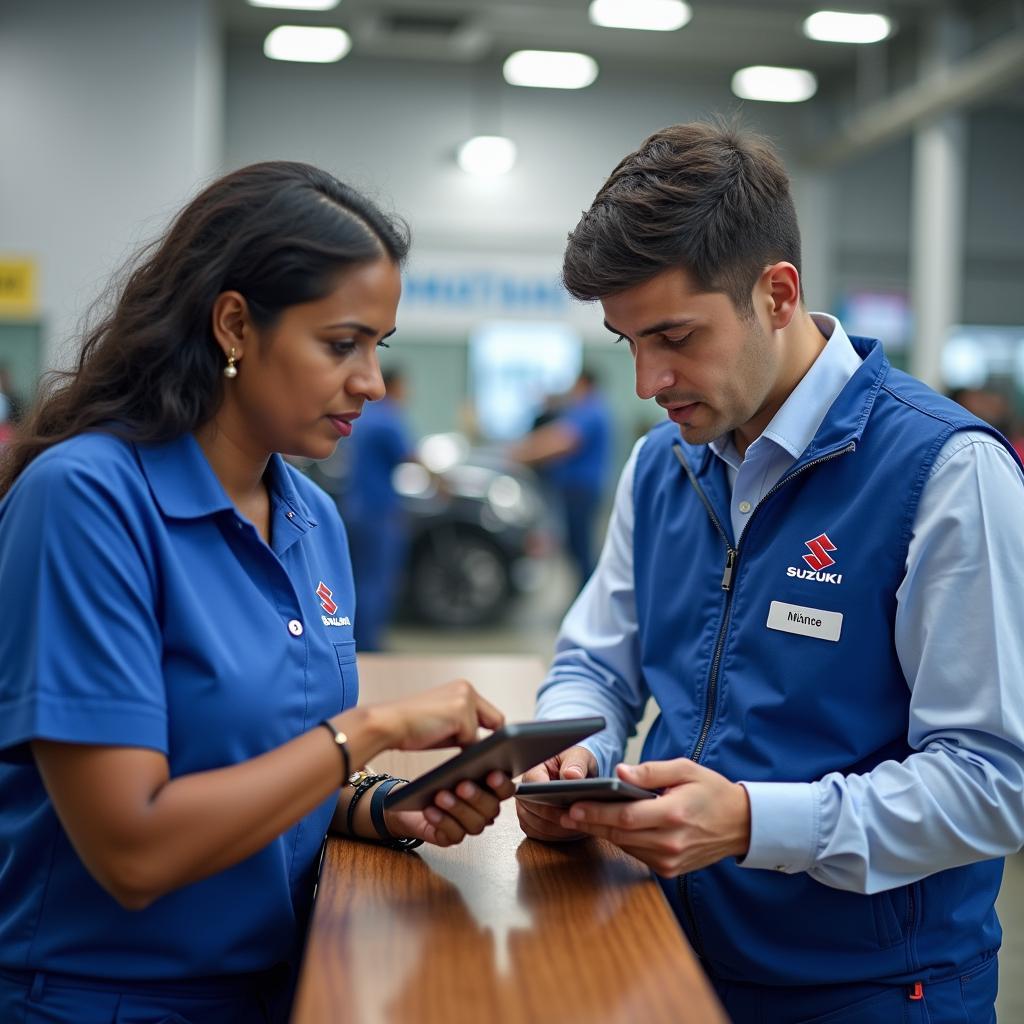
[960, 797]
[80, 644]
[596, 669]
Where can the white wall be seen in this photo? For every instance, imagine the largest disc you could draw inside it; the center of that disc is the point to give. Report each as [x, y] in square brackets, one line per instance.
[111, 115]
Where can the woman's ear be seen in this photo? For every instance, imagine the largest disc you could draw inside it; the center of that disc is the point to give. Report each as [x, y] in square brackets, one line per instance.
[231, 323]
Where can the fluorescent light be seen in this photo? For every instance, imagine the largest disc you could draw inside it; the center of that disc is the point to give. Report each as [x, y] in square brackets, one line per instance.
[296, 5]
[487, 156]
[311, 45]
[843, 27]
[550, 69]
[652, 15]
[774, 85]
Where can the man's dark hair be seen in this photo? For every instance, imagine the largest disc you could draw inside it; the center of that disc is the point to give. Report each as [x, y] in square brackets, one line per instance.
[702, 196]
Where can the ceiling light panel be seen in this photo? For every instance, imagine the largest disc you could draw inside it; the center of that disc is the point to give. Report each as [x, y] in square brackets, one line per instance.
[487, 156]
[650, 15]
[844, 27]
[550, 69]
[308, 45]
[296, 5]
[774, 85]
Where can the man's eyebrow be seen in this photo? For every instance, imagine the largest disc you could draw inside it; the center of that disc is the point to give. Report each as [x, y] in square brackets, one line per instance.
[360, 327]
[658, 328]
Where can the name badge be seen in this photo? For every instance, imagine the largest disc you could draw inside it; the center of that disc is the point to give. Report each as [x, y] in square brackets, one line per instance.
[795, 618]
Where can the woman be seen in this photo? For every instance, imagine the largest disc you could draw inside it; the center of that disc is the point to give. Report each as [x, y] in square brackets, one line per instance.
[177, 670]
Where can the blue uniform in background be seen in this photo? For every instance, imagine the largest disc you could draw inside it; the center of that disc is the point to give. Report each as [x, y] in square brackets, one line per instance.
[139, 609]
[577, 480]
[374, 518]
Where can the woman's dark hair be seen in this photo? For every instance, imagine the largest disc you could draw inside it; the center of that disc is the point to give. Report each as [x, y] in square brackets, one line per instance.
[278, 232]
[705, 197]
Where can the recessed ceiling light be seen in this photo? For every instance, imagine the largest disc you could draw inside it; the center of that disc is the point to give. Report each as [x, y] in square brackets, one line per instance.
[652, 15]
[487, 156]
[310, 45]
[844, 27]
[774, 85]
[550, 69]
[296, 5]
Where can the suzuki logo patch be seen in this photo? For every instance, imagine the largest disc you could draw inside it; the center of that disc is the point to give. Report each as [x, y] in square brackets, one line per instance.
[325, 594]
[819, 559]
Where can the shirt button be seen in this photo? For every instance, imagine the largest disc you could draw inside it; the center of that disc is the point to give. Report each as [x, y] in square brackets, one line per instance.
[745, 507]
[295, 627]
[289, 515]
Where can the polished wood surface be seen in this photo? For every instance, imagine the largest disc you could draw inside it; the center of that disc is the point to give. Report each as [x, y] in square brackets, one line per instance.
[501, 928]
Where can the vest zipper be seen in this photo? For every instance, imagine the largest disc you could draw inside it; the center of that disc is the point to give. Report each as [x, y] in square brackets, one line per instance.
[731, 558]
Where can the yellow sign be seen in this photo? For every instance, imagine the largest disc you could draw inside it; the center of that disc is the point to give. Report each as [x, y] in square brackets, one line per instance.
[18, 286]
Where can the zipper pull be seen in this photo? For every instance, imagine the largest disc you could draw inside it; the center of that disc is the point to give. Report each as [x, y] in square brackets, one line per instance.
[916, 992]
[730, 561]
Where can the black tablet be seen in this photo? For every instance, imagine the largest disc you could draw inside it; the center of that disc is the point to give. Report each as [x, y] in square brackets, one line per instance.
[513, 749]
[565, 792]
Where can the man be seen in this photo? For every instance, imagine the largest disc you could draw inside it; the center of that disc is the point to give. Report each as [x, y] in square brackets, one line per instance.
[814, 568]
[571, 453]
[377, 531]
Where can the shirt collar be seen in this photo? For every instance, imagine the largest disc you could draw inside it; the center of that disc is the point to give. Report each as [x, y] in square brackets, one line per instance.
[186, 487]
[793, 427]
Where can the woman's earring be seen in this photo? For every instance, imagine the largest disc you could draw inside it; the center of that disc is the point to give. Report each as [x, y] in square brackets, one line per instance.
[231, 371]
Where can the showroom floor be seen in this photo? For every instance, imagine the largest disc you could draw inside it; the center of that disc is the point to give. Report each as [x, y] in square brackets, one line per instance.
[531, 629]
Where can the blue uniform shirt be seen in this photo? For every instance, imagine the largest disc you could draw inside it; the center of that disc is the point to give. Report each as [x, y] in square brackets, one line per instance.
[139, 609]
[587, 466]
[379, 444]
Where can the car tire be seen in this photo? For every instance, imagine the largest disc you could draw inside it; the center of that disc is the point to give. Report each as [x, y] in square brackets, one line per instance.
[459, 578]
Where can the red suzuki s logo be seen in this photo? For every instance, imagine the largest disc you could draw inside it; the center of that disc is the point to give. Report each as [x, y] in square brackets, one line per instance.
[325, 594]
[819, 557]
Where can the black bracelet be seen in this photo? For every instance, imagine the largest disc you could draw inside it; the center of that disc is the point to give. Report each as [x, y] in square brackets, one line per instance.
[377, 802]
[341, 742]
[364, 782]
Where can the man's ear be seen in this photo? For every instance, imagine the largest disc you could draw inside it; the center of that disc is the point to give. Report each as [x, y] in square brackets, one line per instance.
[777, 293]
[231, 323]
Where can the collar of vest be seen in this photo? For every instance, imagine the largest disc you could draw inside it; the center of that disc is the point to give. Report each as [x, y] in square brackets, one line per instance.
[844, 422]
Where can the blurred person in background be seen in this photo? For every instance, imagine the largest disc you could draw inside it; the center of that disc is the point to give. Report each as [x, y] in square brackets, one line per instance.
[995, 408]
[571, 449]
[178, 687]
[814, 569]
[377, 530]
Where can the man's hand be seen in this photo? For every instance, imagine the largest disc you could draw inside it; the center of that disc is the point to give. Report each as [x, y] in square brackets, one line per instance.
[541, 821]
[700, 817]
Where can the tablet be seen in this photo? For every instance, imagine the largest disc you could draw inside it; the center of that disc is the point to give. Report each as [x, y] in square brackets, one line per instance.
[565, 792]
[512, 749]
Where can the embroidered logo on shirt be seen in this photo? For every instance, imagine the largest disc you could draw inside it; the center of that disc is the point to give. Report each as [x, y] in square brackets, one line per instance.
[819, 559]
[325, 594]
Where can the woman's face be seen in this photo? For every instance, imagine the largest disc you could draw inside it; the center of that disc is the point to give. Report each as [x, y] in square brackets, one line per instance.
[303, 381]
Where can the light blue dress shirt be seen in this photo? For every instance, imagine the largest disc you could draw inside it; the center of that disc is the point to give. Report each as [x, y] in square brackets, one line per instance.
[958, 634]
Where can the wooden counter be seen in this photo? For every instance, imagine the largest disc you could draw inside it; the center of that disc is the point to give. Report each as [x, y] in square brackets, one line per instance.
[499, 929]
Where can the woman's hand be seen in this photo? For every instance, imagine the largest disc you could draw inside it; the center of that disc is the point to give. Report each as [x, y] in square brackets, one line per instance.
[443, 716]
[453, 815]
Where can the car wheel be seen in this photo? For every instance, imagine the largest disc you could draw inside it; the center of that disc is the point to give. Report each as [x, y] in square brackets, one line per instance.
[459, 578]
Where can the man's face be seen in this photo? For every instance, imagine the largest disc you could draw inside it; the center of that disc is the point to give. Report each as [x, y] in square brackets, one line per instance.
[712, 370]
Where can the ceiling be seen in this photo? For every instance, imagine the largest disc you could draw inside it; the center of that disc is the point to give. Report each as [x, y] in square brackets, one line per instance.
[723, 35]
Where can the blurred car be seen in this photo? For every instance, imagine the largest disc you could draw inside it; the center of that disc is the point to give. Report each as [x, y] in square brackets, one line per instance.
[479, 533]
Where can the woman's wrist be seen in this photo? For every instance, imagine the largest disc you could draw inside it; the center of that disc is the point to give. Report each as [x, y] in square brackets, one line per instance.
[369, 732]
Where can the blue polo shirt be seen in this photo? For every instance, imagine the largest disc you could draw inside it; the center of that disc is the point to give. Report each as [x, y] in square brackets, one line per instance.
[585, 468]
[139, 609]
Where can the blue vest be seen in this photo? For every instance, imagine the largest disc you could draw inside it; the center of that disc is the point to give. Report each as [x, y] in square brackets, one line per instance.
[764, 705]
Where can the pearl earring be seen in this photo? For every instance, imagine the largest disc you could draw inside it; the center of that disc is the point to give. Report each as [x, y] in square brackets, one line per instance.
[231, 371]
